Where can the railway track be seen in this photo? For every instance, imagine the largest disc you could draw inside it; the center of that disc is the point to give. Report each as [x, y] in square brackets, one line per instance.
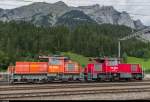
[14, 92]
[68, 85]
[76, 91]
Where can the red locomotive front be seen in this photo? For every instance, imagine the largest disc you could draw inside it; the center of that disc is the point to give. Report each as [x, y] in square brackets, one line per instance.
[130, 71]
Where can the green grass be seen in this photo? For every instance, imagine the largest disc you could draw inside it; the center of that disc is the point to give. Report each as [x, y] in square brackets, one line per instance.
[76, 57]
[3, 70]
[145, 64]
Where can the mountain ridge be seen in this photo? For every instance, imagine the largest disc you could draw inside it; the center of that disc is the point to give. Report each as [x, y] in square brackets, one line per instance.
[47, 14]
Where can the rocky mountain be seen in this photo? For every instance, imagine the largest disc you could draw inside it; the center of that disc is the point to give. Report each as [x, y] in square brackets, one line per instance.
[47, 14]
[73, 18]
[138, 24]
[39, 13]
[102, 14]
[107, 14]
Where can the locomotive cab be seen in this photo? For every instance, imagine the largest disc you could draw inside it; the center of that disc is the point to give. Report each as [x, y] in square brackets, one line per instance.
[62, 68]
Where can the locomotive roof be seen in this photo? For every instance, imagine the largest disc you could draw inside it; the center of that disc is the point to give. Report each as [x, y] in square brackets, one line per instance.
[54, 56]
[104, 58]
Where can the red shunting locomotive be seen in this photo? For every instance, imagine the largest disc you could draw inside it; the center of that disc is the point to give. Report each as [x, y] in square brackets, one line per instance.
[102, 69]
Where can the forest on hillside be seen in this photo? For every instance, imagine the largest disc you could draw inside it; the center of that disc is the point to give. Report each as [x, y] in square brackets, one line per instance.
[23, 41]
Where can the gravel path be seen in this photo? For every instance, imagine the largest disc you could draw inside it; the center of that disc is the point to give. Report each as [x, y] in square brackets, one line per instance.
[70, 89]
[120, 96]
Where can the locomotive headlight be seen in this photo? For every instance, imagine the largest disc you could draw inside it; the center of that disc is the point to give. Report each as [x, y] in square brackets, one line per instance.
[115, 74]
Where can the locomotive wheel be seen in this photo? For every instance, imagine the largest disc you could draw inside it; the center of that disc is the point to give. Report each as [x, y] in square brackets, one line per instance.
[44, 80]
[140, 78]
[64, 80]
[111, 79]
[127, 79]
[98, 79]
[11, 82]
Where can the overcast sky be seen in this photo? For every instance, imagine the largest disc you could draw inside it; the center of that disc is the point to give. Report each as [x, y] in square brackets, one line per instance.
[138, 9]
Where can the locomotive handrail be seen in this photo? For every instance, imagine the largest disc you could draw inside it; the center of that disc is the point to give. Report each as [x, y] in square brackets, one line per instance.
[49, 57]
[4, 73]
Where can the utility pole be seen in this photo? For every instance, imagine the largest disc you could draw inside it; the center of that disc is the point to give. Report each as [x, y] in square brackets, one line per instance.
[119, 48]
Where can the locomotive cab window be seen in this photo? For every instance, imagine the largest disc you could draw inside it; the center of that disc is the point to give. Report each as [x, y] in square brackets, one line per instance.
[112, 62]
[54, 61]
[71, 66]
[133, 67]
[98, 67]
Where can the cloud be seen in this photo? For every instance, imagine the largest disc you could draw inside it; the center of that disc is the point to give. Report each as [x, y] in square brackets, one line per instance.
[138, 9]
[9, 4]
